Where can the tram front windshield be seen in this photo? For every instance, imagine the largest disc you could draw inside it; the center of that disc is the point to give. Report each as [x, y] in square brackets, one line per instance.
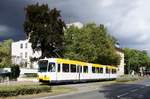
[43, 65]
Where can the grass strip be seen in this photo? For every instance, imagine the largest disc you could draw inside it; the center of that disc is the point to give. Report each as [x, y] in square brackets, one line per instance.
[126, 78]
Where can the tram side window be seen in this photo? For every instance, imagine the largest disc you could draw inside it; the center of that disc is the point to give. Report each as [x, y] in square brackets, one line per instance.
[80, 69]
[110, 71]
[101, 70]
[107, 70]
[97, 69]
[93, 69]
[113, 71]
[77, 68]
[58, 69]
[51, 67]
[73, 68]
[65, 67]
[85, 69]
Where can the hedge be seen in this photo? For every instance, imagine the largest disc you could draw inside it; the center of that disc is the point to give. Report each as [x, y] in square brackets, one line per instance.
[7, 91]
[30, 74]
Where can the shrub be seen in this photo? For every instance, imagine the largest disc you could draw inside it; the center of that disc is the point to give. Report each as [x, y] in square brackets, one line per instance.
[7, 91]
[15, 72]
[30, 74]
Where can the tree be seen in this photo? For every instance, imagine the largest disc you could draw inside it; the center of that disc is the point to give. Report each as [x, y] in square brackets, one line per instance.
[5, 53]
[135, 59]
[45, 30]
[91, 44]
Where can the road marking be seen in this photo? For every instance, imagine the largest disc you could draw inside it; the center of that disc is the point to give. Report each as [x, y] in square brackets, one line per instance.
[130, 91]
[122, 95]
[147, 85]
[142, 87]
[134, 90]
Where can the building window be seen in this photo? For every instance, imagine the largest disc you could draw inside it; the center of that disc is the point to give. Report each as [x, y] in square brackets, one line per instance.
[21, 45]
[26, 45]
[26, 54]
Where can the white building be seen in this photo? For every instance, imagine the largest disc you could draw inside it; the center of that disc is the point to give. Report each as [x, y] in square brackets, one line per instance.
[120, 52]
[22, 52]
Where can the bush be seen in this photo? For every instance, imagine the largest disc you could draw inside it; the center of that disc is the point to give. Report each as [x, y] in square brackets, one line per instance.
[7, 91]
[30, 74]
[15, 72]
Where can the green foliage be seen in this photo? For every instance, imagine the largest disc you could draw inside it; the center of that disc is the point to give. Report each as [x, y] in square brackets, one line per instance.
[30, 74]
[135, 59]
[45, 30]
[147, 69]
[15, 72]
[5, 53]
[15, 90]
[91, 44]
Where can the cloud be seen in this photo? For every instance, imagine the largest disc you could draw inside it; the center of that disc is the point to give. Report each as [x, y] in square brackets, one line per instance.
[3, 28]
[133, 27]
[11, 19]
[127, 20]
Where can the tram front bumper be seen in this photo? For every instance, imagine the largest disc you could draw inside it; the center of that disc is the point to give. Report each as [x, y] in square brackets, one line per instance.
[44, 77]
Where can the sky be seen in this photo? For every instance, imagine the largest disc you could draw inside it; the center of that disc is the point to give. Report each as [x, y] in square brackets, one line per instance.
[127, 20]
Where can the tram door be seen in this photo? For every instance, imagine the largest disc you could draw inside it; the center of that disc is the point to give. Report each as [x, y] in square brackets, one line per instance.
[79, 70]
[52, 71]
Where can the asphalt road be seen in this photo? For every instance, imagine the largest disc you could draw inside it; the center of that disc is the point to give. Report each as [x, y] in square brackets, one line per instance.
[137, 90]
